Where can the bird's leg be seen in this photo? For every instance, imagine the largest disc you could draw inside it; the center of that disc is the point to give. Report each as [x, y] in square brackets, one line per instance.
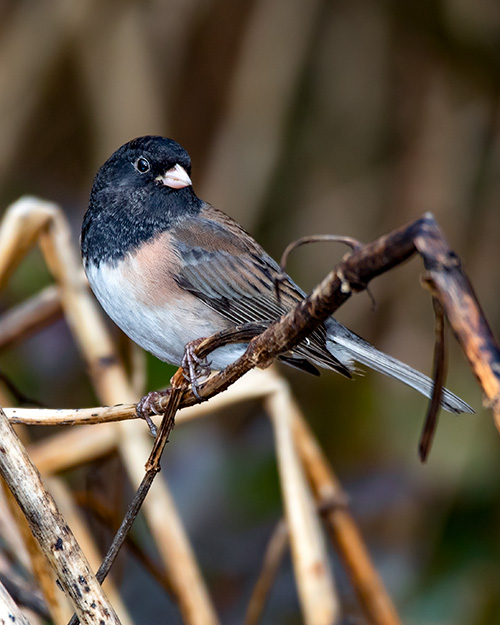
[195, 369]
[149, 405]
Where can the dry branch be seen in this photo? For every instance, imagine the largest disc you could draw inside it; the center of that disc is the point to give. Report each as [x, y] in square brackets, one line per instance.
[30, 316]
[9, 612]
[276, 549]
[317, 593]
[353, 274]
[26, 221]
[345, 535]
[51, 531]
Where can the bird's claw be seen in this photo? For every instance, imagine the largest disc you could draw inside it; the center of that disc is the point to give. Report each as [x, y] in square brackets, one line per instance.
[148, 405]
[195, 369]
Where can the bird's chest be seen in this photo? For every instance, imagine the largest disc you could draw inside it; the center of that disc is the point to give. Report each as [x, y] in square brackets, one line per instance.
[145, 301]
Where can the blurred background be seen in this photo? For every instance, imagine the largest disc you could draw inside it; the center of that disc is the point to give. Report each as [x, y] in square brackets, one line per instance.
[347, 117]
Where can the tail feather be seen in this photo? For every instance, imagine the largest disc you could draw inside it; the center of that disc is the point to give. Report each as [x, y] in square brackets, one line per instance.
[348, 346]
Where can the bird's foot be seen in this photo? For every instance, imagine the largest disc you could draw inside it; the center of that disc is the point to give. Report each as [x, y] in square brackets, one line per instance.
[149, 405]
[195, 369]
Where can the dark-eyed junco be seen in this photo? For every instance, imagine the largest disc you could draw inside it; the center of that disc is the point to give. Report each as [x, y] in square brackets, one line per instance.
[169, 268]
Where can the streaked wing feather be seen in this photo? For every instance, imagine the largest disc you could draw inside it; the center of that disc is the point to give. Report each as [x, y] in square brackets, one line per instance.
[237, 281]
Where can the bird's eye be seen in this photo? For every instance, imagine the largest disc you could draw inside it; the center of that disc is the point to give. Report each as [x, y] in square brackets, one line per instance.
[142, 165]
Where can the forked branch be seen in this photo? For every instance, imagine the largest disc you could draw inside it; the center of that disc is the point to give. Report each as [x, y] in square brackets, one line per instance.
[450, 285]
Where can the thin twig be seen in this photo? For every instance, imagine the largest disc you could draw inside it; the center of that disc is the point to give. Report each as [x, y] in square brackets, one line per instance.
[275, 551]
[330, 497]
[354, 244]
[439, 375]
[152, 468]
[315, 238]
[30, 316]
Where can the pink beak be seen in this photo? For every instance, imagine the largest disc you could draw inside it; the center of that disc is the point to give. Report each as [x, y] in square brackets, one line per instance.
[176, 177]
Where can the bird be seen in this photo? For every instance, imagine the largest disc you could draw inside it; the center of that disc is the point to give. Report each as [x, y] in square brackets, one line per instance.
[170, 268]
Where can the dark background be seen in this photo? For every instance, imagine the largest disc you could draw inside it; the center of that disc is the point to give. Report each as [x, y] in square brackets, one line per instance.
[348, 117]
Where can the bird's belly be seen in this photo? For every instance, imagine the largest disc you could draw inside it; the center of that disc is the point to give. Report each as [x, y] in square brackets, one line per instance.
[159, 319]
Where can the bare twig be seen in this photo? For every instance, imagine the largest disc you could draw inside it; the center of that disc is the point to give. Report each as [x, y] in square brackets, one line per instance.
[30, 316]
[315, 585]
[51, 531]
[439, 375]
[316, 238]
[354, 244]
[152, 468]
[353, 275]
[9, 609]
[276, 549]
[330, 497]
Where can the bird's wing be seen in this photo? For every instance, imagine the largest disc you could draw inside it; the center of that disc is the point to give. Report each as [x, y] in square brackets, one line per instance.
[233, 275]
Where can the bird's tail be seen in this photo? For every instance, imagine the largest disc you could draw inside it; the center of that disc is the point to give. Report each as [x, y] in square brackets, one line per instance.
[348, 346]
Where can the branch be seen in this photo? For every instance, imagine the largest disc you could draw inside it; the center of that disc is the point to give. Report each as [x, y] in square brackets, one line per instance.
[452, 289]
[9, 608]
[450, 285]
[51, 531]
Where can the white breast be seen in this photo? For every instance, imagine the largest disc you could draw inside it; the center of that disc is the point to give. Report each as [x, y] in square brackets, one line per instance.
[159, 323]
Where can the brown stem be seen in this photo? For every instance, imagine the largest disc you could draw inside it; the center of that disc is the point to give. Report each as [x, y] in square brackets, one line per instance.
[152, 468]
[439, 369]
[453, 290]
[51, 531]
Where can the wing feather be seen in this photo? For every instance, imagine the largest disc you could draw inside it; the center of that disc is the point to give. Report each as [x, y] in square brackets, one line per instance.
[235, 277]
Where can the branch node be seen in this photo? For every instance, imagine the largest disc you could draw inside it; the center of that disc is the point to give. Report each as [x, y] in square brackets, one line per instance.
[345, 285]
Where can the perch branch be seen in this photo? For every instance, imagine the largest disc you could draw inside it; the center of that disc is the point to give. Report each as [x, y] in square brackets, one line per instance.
[152, 468]
[450, 284]
[353, 274]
